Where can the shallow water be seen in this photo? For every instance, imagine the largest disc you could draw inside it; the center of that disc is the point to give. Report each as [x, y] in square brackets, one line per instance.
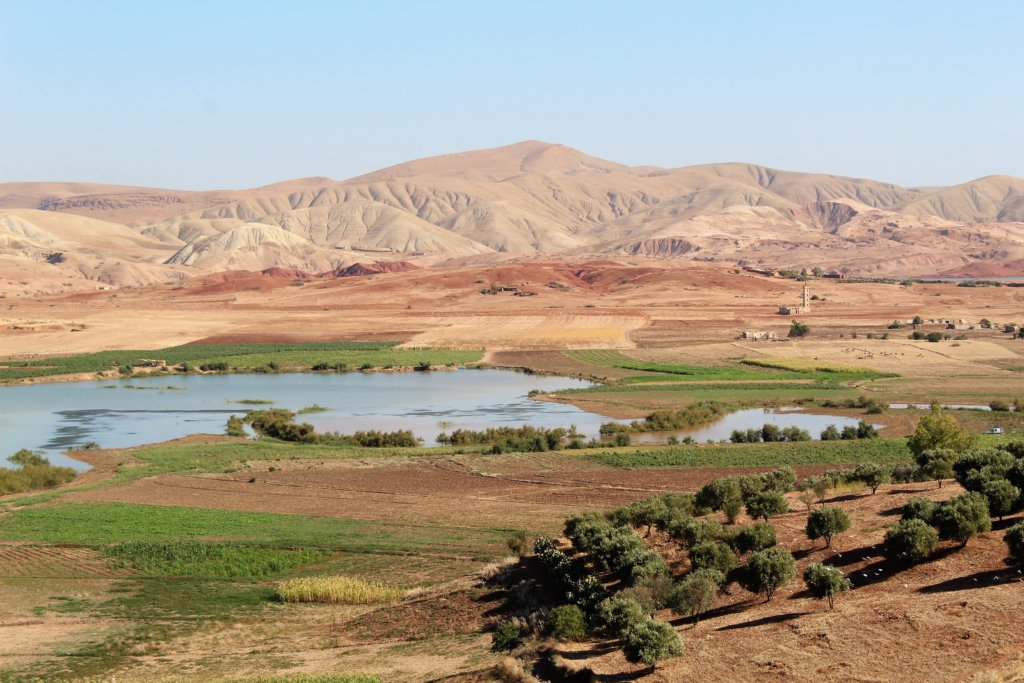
[55, 417]
[755, 418]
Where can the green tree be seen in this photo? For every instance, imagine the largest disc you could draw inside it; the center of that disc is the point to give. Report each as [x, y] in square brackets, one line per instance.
[798, 329]
[567, 622]
[936, 463]
[910, 541]
[827, 522]
[939, 430]
[1002, 497]
[618, 613]
[872, 475]
[920, 508]
[713, 555]
[963, 517]
[1014, 538]
[695, 594]
[755, 537]
[768, 570]
[824, 581]
[650, 641]
[766, 504]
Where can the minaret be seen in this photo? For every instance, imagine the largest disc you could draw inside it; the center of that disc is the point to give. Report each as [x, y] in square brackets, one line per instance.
[807, 298]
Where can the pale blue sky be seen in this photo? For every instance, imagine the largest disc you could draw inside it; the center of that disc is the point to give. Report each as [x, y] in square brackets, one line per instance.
[225, 94]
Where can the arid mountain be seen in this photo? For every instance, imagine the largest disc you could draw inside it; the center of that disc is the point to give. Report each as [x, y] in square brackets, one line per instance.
[536, 198]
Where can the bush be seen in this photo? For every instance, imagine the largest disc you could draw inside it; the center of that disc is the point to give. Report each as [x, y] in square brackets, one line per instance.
[827, 522]
[830, 433]
[963, 517]
[650, 641]
[1014, 538]
[919, 508]
[507, 636]
[798, 329]
[768, 570]
[695, 594]
[766, 504]
[567, 622]
[825, 582]
[518, 543]
[910, 541]
[236, 426]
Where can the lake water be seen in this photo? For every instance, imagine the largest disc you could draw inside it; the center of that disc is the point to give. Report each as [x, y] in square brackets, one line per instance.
[122, 413]
[54, 417]
[755, 418]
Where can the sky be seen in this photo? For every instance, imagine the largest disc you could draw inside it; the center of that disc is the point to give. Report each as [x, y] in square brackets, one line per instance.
[229, 94]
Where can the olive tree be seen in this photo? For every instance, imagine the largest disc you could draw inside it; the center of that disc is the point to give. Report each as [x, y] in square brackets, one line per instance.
[826, 582]
[920, 508]
[936, 463]
[1002, 497]
[1014, 538]
[754, 537]
[827, 522]
[872, 475]
[713, 555]
[650, 641]
[768, 570]
[963, 517]
[910, 541]
[766, 504]
[695, 594]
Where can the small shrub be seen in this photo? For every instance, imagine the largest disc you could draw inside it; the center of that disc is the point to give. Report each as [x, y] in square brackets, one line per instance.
[507, 636]
[650, 641]
[695, 594]
[919, 508]
[1014, 538]
[910, 541]
[567, 622]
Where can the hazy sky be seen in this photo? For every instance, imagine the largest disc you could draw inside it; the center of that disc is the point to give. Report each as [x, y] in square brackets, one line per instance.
[220, 94]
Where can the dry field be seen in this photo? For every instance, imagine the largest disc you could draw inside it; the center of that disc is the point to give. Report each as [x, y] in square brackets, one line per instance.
[622, 304]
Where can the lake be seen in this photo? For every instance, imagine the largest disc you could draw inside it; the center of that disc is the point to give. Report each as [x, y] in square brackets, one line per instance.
[55, 417]
[123, 413]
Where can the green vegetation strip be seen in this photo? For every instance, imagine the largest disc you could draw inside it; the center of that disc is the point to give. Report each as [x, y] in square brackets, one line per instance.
[759, 455]
[750, 370]
[106, 523]
[350, 355]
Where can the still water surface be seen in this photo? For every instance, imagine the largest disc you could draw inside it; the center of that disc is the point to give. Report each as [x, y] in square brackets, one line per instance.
[55, 417]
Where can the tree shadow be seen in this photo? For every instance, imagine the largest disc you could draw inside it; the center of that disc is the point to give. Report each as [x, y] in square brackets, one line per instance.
[892, 512]
[854, 555]
[994, 577]
[630, 676]
[596, 650]
[763, 621]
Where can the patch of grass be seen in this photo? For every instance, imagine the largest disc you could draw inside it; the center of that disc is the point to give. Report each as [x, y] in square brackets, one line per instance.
[315, 408]
[803, 365]
[337, 590]
[105, 523]
[210, 560]
[759, 455]
[243, 357]
[253, 402]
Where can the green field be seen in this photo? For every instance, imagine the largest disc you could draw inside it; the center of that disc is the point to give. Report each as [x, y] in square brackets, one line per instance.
[768, 454]
[747, 369]
[242, 357]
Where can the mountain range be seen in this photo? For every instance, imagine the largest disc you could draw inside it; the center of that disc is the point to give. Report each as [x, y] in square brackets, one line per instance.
[527, 199]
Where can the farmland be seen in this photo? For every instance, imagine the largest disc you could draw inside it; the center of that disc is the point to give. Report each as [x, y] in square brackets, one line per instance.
[241, 357]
